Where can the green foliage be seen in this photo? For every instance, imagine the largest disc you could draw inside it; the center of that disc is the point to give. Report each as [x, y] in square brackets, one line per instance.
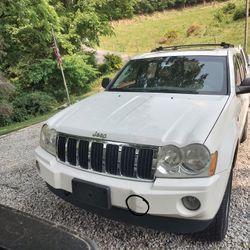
[149, 6]
[81, 23]
[117, 9]
[144, 6]
[229, 8]
[25, 30]
[111, 63]
[229, 12]
[5, 113]
[79, 74]
[221, 17]
[6, 92]
[28, 105]
[44, 75]
[239, 13]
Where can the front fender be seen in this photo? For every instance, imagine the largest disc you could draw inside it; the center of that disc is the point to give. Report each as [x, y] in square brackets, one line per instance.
[224, 137]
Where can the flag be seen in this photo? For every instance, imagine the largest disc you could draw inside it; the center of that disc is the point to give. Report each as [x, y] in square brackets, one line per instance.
[56, 50]
[57, 53]
[59, 62]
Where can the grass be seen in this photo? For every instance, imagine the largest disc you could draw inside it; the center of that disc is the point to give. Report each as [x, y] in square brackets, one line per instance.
[95, 87]
[142, 33]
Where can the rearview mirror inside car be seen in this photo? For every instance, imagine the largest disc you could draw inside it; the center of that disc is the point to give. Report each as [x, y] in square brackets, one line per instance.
[105, 82]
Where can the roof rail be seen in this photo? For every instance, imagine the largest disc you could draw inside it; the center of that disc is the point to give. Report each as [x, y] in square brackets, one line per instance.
[176, 47]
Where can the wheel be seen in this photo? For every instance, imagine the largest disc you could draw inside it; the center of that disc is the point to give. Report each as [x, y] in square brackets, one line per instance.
[217, 229]
[244, 135]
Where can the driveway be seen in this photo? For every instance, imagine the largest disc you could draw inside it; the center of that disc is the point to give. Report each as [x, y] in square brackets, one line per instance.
[22, 188]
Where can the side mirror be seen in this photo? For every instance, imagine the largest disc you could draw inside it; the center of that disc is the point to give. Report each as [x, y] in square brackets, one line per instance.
[246, 82]
[105, 82]
[242, 90]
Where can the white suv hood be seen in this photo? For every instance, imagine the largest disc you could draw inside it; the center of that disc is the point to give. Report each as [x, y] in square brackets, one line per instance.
[142, 118]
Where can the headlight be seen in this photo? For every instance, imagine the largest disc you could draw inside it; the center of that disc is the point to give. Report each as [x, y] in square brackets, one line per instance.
[196, 158]
[48, 139]
[193, 160]
[170, 157]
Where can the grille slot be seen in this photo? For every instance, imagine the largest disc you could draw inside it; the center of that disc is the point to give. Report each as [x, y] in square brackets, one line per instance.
[83, 152]
[96, 156]
[61, 148]
[109, 158]
[145, 161]
[127, 161]
[71, 151]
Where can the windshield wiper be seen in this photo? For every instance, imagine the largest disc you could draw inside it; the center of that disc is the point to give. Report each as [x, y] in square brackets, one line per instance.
[154, 90]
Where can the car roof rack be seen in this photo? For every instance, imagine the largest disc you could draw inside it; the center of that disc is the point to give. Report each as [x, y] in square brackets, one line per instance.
[176, 47]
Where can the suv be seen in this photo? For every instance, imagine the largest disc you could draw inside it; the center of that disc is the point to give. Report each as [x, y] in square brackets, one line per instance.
[157, 148]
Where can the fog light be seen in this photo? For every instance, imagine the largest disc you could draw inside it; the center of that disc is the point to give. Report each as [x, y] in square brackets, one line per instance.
[191, 203]
[37, 166]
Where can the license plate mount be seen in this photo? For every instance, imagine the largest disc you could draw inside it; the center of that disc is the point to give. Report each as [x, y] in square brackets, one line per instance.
[91, 193]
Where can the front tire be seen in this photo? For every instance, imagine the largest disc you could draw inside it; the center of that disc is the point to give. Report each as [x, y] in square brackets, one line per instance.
[217, 229]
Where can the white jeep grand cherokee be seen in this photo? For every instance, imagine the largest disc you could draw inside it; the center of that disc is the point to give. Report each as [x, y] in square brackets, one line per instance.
[158, 146]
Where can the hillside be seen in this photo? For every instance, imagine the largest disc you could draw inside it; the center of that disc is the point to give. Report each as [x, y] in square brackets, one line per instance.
[199, 24]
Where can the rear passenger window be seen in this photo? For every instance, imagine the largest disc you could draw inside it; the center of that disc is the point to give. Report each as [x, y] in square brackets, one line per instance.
[237, 72]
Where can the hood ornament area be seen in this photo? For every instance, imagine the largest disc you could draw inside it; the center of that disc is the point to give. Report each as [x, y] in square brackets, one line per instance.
[99, 135]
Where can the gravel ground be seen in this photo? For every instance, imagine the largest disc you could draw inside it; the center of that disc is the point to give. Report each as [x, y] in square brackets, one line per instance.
[22, 188]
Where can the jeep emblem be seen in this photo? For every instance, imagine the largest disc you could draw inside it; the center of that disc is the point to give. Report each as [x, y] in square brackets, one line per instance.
[99, 135]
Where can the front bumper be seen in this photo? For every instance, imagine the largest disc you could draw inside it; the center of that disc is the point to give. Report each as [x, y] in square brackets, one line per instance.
[164, 195]
[174, 225]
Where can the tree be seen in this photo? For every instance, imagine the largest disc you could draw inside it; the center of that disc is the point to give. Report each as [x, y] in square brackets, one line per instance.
[25, 31]
[81, 23]
[26, 39]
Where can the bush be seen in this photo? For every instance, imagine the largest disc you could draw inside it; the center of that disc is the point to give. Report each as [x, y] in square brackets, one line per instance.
[117, 9]
[111, 63]
[6, 91]
[220, 17]
[44, 75]
[5, 113]
[27, 105]
[194, 29]
[144, 6]
[239, 13]
[229, 8]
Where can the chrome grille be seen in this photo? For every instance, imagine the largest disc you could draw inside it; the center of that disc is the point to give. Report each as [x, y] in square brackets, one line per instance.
[110, 158]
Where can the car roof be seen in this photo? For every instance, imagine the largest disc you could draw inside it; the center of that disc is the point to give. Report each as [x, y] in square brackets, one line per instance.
[166, 53]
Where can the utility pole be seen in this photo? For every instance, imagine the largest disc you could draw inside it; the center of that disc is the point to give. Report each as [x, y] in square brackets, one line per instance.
[246, 26]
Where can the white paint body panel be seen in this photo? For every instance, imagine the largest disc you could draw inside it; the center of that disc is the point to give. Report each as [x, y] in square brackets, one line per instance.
[143, 118]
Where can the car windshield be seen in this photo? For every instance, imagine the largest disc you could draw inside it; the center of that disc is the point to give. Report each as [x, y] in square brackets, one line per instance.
[174, 74]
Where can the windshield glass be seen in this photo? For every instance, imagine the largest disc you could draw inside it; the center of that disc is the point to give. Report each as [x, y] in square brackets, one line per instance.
[175, 74]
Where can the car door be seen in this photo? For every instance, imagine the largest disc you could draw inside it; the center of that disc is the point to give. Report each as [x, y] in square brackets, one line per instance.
[242, 100]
